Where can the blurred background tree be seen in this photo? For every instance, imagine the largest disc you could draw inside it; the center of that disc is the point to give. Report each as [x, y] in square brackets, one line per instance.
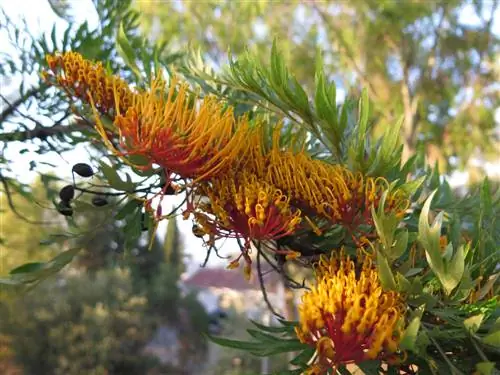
[96, 325]
[19, 243]
[436, 62]
[98, 315]
[173, 247]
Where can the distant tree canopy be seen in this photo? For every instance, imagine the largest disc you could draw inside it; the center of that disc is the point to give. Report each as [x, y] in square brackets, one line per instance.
[432, 61]
[264, 150]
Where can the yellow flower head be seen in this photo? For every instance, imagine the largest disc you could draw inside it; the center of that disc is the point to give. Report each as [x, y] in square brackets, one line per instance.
[172, 129]
[347, 316]
[81, 78]
[329, 191]
[242, 206]
[321, 189]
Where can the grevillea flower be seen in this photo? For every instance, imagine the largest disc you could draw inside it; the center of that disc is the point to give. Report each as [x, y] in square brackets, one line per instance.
[347, 317]
[332, 191]
[191, 138]
[327, 191]
[80, 77]
[241, 206]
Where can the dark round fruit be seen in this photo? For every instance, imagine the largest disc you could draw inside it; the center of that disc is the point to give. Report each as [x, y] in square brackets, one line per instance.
[83, 170]
[170, 190]
[67, 193]
[197, 231]
[64, 209]
[99, 201]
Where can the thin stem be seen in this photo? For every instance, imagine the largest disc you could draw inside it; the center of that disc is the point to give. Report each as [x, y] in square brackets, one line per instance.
[445, 357]
[262, 285]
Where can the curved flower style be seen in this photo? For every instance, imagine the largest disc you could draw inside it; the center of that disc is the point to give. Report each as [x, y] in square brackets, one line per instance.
[331, 191]
[81, 78]
[347, 316]
[242, 206]
[169, 128]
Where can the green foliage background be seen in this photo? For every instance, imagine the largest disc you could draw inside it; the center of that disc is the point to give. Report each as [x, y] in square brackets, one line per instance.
[422, 60]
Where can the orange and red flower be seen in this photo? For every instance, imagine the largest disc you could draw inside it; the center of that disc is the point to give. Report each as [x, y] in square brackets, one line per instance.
[242, 206]
[81, 78]
[347, 317]
[192, 138]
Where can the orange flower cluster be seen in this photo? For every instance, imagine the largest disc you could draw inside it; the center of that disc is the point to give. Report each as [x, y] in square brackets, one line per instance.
[166, 126]
[82, 78]
[242, 190]
[347, 316]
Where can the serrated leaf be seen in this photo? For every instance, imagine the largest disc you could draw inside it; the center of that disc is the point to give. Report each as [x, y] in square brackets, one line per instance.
[390, 142]
[473, 323]
[448, 273]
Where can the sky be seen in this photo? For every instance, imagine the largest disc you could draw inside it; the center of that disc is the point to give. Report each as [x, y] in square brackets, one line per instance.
[40, 19]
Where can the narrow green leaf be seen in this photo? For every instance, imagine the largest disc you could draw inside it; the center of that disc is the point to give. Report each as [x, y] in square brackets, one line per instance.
[385, 273]
[403, 283]
[271, 329]
[485, 368]
[303, 357]
[364, 110]
[10, 282]
[486, 203]
[390, 140]
[127, 209]
[369, 367]
[401, 242]
[82, 206]
[235, 344]
[493, 339]
[409, 337]
[264, 337]
[114, 178]
[28, 268]
[411, 187]
[456, 268]
[126, 51]
[413, 272]
[62, 259]
[139, 160]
